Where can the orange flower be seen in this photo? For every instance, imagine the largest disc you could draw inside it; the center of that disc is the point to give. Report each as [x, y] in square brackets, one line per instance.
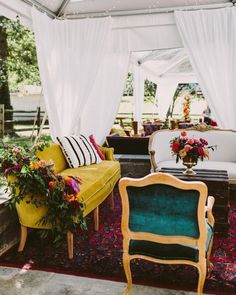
[187, 98]
[34, 165]
[206, 153]
[68, 180]
[70, 198]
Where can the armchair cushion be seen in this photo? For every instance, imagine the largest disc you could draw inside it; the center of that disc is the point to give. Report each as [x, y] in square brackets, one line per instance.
[168, 251]
[171, 203]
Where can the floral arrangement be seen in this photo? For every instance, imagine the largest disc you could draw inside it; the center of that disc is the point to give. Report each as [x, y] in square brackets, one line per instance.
[183, 146]
[186, 108]
[29, 175]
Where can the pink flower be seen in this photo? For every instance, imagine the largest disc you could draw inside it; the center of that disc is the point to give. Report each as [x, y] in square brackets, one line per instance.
[191, 141]
[183, 133]
[15, 150]
[17, 168]
[42, 164]
[203, 141]
[72, 186]
[213, 123]
[200, 151]
[187, 148]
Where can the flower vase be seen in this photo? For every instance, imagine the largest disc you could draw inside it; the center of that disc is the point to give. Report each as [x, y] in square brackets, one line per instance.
[189, 161]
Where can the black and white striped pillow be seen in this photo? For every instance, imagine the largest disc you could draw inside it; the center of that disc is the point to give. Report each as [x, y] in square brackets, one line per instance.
[78, 151]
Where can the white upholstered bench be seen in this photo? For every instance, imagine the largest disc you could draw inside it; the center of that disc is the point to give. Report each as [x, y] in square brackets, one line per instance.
[223, 158]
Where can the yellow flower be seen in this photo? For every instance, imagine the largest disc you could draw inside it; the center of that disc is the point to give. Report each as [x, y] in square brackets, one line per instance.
[182, 153]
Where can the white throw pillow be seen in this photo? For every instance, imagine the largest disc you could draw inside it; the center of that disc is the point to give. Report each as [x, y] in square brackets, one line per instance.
[78, 151]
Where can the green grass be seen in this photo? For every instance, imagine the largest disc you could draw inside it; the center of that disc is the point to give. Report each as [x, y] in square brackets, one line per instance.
[24, 140]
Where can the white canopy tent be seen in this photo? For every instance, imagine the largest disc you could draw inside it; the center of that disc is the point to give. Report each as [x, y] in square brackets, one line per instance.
[166, 68]
[146, 25]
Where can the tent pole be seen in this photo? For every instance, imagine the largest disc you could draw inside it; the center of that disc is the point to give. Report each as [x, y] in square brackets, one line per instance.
[62, 8]
[40, 7]
[147, 11]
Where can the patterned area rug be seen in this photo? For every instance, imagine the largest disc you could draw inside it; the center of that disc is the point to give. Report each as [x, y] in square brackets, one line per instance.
[99, 254]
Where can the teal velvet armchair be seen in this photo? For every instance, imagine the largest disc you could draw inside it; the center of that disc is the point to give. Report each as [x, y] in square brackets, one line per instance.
[166, 220]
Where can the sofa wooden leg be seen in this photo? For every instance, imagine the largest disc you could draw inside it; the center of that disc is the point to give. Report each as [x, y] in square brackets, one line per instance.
[111, 200]
[23, 237]
[70, 244]
[96, 218]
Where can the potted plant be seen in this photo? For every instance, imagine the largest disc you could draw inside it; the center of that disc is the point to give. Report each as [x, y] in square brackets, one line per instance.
[189, 150]
[42, 198]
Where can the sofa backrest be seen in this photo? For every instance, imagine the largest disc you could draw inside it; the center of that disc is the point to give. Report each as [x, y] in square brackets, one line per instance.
[225, 140]
[54, 153]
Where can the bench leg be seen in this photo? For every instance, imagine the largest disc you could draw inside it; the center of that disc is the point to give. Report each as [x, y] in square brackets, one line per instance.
[96, 218]
[70, 244]
[111, 200]
[23, 237]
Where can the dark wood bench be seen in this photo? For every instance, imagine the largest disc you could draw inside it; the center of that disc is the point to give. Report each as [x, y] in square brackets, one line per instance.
[129, 145]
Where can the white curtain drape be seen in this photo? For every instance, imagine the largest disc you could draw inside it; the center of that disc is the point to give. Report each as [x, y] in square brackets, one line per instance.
[103, 103]
[209, 38]
[166, 88]
[138, 86]
[69, 56]
[164, 95]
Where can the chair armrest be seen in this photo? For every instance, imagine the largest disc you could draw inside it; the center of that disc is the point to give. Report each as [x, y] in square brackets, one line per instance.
[107, 152]
[153, 161]
[208, 210]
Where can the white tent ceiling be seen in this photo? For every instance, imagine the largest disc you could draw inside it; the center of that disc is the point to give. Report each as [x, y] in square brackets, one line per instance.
[150, 23]
[82, 8]
[89, 8]
[147, 18]
[164, 63]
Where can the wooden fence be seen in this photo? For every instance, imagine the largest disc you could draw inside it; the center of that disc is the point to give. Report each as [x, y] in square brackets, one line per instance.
[20, 120]
[31, 120]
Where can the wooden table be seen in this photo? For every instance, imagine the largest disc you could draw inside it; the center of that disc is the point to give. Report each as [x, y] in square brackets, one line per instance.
[218, 186]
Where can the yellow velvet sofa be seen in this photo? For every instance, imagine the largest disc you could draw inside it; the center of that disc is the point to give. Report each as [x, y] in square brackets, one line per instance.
[98, 181]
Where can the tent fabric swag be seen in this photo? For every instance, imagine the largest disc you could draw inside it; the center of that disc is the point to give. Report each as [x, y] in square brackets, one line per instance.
[71, 54]
[209, 37]
[84, 63]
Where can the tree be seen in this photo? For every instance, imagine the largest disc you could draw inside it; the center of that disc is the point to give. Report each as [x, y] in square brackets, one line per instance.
[183, 87]
[149, 88]
[22, 59]
[18, 61]
[4, 89]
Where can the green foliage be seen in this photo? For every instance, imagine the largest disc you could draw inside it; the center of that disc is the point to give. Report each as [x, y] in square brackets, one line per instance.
[149, 89]
[36, 182]
[129, 85]
[190, 88]
[21, 58]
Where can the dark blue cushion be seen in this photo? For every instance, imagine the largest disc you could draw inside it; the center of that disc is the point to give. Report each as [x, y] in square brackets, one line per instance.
[168, 251]
[164, 210]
